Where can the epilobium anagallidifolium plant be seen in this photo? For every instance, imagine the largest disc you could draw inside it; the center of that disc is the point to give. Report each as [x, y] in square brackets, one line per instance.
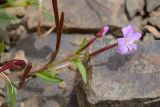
[47, 72]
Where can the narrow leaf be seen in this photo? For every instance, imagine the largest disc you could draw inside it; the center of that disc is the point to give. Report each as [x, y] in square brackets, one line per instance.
[52, 71]
[84, 42]
[81, 69]
[2, 47]
[11, 94]
[46, 77]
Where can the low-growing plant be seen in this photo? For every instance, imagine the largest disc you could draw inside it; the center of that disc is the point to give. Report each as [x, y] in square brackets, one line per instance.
[47, 72]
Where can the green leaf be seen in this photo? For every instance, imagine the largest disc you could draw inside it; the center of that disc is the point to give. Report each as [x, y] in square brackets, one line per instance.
[52, 71]
[11, 2]
[6, 18]
[81, 69]
[2, 47]
[46, 77]
[11, 94]
[84, 42]
[15, 3]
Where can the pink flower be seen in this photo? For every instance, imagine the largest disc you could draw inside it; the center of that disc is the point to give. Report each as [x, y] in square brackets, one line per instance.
[102, 31]
[126, 44]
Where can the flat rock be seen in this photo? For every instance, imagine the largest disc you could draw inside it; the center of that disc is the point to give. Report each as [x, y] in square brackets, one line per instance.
[82, 14]
[134, 7]
[33, 16]
[110, 12]
[41, 47]
[148, 37]
[78, 14]
[152, 4]
[123, 78]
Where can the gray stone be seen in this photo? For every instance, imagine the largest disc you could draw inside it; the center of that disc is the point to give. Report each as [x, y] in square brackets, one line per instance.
[152, 4]
[110, 12]
[135, 6]
[148, 37]
[3, 36]
[82, 14]
[154, 19]
[119, 78]
[2, 83]
[31, 102]
[36, 47]
[33, 17]
[137, 22]
[52, 104]
[78, 14]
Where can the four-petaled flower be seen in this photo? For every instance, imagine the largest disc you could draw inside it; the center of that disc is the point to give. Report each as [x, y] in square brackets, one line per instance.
[126, 44]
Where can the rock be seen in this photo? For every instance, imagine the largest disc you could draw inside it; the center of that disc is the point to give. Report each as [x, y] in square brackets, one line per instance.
[137, 22]
[2, 100]
[2, 83]
[3, 36]
[17, 11]
[62, 85]
[108, 11]
[31, 102]
[36, 47]
[154, 19]
[148, 37]
[97, 13]
[33, 16]
[20, 55]
[115, 80]
[134, 7]
[52, 104]
[79, 15]
[153, 30]
[15, 34]
[152, 4]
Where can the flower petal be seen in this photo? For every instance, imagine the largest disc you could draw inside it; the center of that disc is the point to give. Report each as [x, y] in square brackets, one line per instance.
[135, 36]
[134, 46]
[122, 50]
[121, 41]
[127, 30]
[105, 30]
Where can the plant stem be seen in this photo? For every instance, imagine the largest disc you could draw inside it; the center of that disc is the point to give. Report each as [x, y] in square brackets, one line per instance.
[97, 52]
[89, 43]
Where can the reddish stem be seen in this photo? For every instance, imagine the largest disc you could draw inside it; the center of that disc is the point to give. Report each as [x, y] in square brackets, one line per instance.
[55, 9]
[25, 74]
[102, 50]
[12, 64]
[89, 43]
